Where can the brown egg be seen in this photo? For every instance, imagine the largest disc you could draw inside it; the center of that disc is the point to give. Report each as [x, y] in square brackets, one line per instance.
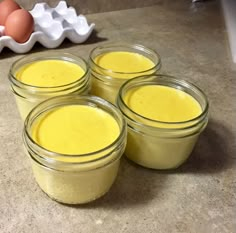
[19, 25]
[6, 8]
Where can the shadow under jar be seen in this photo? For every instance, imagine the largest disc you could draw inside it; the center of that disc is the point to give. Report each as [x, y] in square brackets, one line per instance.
[75, 144]
[113, 64]
[37, 77]
[165, 117]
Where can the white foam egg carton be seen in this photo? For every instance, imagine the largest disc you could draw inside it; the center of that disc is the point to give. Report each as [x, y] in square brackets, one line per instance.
[51, 27]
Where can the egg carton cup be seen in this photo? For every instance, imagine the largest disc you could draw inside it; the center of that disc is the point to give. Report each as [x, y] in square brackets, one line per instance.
[51, 27]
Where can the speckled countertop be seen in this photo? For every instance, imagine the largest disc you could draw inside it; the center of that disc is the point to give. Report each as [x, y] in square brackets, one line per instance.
[199, 197]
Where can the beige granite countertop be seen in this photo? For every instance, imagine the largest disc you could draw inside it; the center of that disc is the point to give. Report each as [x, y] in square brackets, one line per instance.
[200, 196]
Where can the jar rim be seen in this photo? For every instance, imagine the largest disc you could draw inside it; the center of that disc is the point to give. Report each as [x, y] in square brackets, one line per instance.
[92, 101]
[41, 56]
[141, 80]
[137, 47]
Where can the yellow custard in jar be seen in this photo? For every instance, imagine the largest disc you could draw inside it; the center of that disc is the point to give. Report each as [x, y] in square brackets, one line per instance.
[165, 117]
[112, 65]
[49, 73]
[35, 78]
[126, 64]
[75, 129]
[163, 104]
[80, 148]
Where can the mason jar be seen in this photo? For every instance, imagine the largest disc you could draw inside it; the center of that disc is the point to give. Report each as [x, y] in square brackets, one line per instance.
[74, 178]
[159, 144]
[106, 80]
[28, 95]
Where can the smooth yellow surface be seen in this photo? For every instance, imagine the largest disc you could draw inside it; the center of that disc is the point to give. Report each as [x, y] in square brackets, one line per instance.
[120, 66]
[48, 76]
[49, 73]
[125, 62]
[162, 103]
[76, 129]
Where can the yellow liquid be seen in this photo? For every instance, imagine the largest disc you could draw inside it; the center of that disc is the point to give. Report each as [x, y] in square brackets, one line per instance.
[163, 149]
[124, 62]
[49, 73]
[121, 66]
[162, 103]
[77, 129]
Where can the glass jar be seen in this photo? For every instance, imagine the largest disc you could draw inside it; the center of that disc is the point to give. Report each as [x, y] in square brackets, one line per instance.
[28, 96]
[74, 179]
[106, 82]
[161, 145]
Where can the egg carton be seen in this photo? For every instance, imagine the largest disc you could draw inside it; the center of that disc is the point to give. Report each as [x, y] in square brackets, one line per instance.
[51, 27]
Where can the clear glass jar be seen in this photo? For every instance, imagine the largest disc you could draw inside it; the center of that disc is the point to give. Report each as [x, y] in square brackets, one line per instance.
[74, 181]
[106, 82]
[156, 144]
[28, 96]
